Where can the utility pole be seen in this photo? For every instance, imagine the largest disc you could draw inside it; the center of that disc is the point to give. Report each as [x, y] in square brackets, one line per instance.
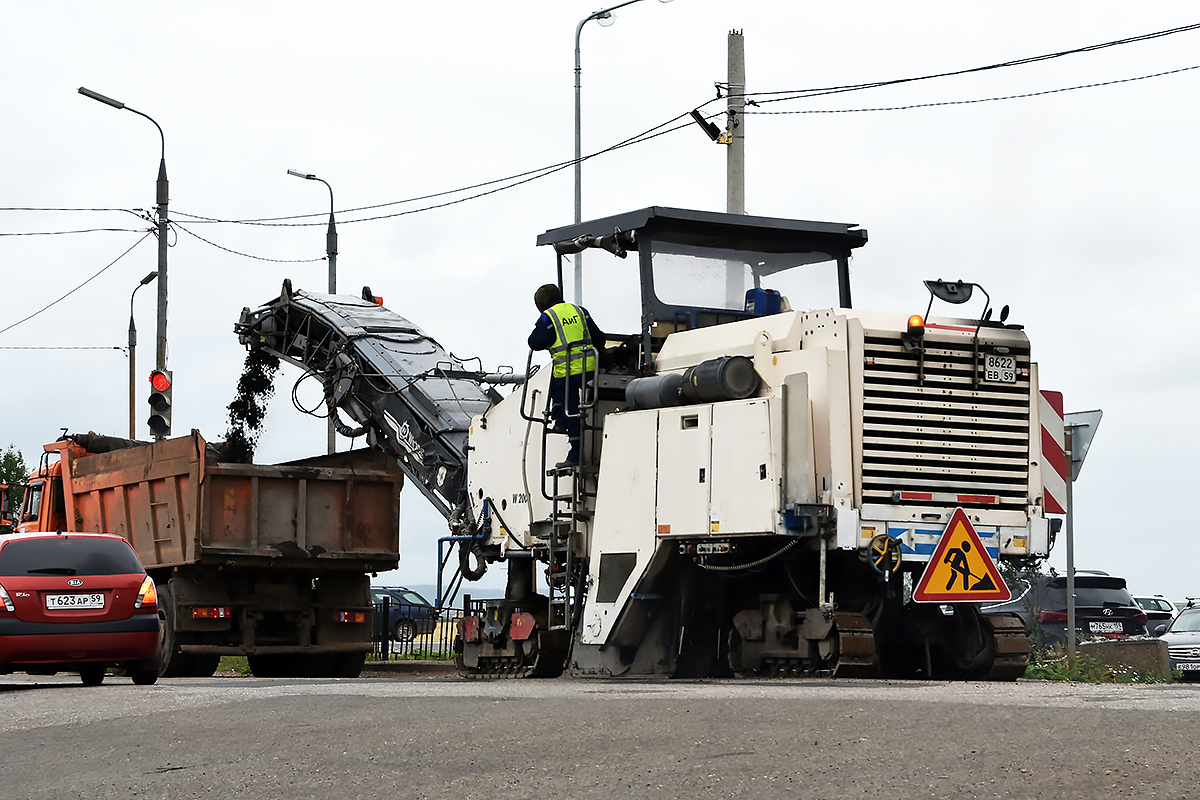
[735, 157]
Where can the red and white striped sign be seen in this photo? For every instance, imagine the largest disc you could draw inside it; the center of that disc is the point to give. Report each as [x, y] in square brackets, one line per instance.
[1054, 458]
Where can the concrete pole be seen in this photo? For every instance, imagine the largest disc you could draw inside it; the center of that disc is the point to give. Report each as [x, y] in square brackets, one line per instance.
[735, 158]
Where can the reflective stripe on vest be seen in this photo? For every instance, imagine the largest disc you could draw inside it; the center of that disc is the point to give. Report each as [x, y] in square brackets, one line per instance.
[571, 340]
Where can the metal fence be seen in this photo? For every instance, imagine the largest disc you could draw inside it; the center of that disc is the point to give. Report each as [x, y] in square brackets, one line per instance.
[405, 631]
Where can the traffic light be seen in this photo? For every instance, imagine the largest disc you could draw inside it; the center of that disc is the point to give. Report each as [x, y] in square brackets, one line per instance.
[160, 402]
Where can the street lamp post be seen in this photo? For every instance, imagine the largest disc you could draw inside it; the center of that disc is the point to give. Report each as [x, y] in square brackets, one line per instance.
[133, 357]
[604, 17]
[331, 255]
[160, 345]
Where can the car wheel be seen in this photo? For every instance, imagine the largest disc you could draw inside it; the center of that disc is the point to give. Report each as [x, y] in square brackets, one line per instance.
[145, 676]
[91, 674]
[404, 631]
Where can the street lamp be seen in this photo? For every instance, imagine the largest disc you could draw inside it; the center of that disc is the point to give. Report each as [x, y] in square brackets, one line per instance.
[133, 357]
[160, 348]
[331, 254]
[605, 18]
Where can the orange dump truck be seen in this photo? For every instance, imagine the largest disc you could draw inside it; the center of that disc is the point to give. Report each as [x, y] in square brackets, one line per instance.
[266, 561]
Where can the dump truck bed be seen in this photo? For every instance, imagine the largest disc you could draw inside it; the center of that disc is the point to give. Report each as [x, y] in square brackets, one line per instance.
[178, 504]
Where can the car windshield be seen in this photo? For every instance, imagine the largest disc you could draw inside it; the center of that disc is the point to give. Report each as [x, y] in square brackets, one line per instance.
[414, 598]
[68, 555]
[1187, 622]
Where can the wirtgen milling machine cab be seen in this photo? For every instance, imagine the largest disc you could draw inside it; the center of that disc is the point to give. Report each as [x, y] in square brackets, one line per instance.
[701, 268]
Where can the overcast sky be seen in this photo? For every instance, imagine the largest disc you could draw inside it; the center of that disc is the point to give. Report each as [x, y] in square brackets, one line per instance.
[1077, 208]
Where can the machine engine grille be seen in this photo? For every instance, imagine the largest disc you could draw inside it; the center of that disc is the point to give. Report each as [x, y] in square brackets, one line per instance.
[938, 440]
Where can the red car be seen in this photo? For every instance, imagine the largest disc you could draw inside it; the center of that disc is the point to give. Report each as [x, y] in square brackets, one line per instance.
[76, 602]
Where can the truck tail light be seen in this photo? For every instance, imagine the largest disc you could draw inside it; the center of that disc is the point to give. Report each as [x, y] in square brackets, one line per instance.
[1052, 616]
[6, 600]
[349, 616]
[147, 596]
[212, 612]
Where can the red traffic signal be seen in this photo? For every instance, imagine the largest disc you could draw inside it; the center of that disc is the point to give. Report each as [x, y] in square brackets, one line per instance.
[160, 403]
[160, 380]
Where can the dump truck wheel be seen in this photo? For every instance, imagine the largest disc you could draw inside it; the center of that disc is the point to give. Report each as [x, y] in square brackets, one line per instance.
[350, 665]
[203, 665]
[171, 664]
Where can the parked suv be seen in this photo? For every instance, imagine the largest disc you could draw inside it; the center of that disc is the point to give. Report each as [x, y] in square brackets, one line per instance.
[1103, 608]
[402, 614]
[1183, 640]
[76, 602]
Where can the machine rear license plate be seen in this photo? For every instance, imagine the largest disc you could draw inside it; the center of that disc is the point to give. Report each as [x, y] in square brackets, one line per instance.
[1000, 369]
[88, 600]
[1106, 627]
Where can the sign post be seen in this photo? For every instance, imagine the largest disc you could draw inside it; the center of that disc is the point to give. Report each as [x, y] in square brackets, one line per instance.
[1080, 427]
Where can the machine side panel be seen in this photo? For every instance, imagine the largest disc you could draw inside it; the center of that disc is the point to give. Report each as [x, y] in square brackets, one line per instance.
[505, 462]
[744, 494]
[625, 508]
[797, 441]
[684, 470]
[841, 460]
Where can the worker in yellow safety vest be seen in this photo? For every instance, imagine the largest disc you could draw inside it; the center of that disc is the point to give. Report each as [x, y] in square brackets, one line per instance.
[573, 339]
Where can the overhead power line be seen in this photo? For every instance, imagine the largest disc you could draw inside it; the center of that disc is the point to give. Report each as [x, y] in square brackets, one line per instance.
[77, 288]
[177, 226]
[61, 348]
[83, 230]
[977, 100]
[512, 181]
[768, 97]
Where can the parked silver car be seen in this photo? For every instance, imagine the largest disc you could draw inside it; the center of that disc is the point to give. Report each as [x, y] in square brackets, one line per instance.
[1183, 640]
[1159, 610]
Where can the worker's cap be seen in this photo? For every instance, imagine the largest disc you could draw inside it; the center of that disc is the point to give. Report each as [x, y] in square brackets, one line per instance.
[547, 296]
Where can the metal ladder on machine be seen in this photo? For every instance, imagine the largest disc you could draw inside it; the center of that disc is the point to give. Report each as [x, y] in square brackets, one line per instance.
[568, 509]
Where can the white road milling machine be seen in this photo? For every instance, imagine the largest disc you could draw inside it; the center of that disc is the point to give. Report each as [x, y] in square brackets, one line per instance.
[761, 488]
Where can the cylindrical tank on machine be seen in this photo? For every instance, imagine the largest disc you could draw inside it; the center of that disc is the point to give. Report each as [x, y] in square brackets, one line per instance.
[713, 381]
[728, 378]
[655, 391]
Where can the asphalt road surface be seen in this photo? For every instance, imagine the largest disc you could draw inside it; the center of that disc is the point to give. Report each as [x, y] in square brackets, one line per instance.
[397, 737]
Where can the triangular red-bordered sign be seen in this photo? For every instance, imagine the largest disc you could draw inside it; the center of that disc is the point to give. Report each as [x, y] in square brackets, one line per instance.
[960, 569]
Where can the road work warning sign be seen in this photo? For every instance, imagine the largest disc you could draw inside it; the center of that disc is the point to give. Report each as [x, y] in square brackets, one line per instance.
[960, 570]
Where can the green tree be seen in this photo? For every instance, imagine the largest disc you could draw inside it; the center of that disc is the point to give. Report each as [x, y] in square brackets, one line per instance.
[14, 473]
